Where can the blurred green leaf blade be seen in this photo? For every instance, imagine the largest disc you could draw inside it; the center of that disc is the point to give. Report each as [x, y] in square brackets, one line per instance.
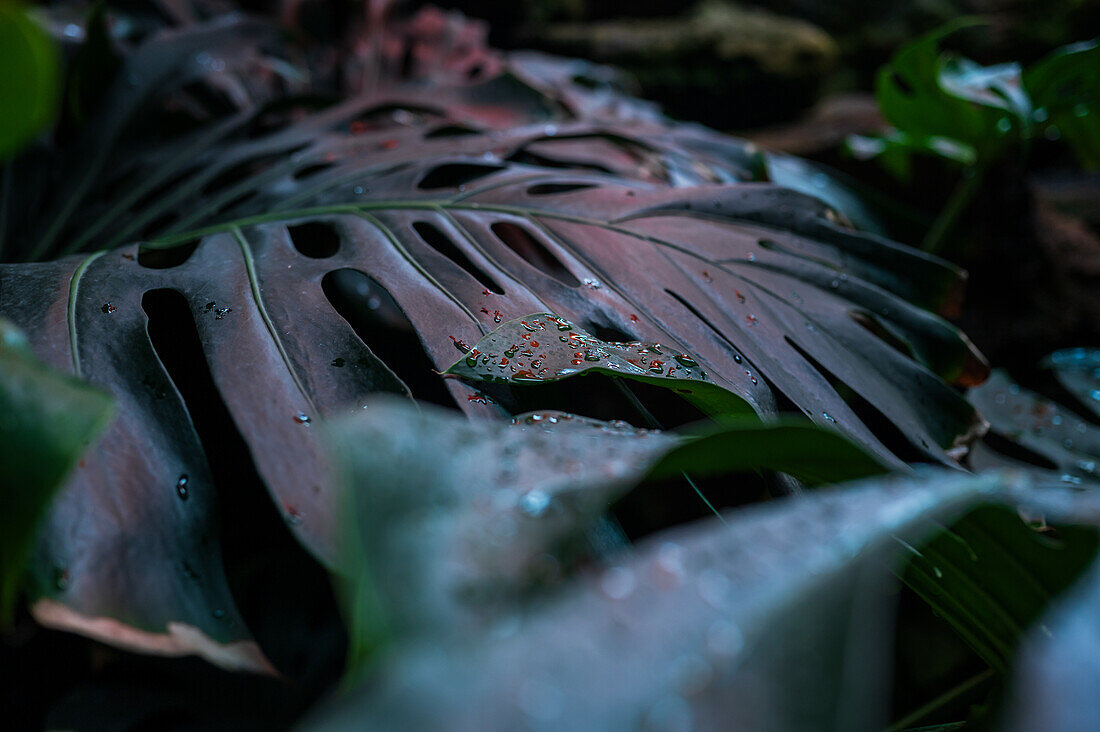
[29, 78]
[47, 419]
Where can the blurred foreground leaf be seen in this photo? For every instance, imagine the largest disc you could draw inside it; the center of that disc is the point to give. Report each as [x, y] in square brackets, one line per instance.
[47, 419]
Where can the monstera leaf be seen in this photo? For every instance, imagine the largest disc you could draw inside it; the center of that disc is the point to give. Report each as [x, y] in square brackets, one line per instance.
[292, 261]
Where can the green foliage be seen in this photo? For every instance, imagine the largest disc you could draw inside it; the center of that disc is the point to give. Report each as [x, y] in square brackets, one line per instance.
[28, 78]
[958, 110]
[973, 116]
[47, 420]
[1065, 92]
[930, 96]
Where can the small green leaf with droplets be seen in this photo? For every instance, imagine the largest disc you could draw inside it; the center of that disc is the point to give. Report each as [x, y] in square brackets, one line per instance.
[543, 348]
[46, 421]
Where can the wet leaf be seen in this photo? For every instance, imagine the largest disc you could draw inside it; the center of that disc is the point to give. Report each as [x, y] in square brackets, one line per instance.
[1030, 431]
[313, 254]
[543, 347]
[752, 620]
[1078, 370]
[508, 502]
[47, 420]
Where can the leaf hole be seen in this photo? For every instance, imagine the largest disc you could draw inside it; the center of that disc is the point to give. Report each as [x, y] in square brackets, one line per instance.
[873, 325]
[443, 244]
[550, 189]
[880, 426]
[453, 175]
[264, 563]
[451, 130]
[311, 170]
[1015, 451]
[166, 257]
[532, 251]
[315, 239]
[382, 325]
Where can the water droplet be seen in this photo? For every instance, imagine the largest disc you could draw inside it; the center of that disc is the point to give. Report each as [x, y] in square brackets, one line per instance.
[338, 362]
[725, 639]
[828, 418]
[302, 418]
[108, 308]
[617, 583]
[1004, 125]
[707, 277]
[686, 361]
[182, 489]
[218, 614]
[358, 190]
[72, 30]
[1080, 110]
[534, 503]
[591, 283]
[222, 312]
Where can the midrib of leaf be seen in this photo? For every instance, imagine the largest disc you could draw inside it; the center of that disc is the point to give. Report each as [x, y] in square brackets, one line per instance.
[74, 288]
[257, 297]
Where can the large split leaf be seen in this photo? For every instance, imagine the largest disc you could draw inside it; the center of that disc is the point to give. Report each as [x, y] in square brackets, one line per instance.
[47, 420]
[321, 256]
